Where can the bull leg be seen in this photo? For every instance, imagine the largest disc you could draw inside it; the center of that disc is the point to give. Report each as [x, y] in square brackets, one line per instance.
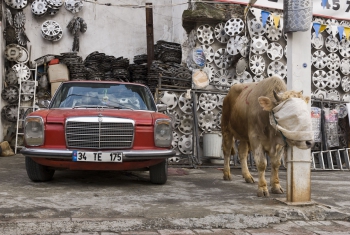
[243, 149]
[274, 180]
[227, 140]
[260, 162]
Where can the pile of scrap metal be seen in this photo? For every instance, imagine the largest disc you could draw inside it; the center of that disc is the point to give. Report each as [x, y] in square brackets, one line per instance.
[138, 70]
[104, 67]
[167, 68]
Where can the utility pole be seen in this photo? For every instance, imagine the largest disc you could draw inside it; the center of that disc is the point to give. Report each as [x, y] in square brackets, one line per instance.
[149, 34]
[299, 78]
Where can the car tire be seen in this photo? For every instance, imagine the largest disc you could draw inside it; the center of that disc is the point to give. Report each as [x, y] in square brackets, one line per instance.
[37, 172]
[159, 173]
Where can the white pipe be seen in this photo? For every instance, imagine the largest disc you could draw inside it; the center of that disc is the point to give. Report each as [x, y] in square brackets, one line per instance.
[299, 78]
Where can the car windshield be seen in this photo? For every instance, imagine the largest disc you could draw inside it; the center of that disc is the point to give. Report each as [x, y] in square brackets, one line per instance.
[90, 95]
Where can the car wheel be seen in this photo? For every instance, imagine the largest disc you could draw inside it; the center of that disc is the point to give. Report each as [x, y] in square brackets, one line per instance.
[37, 172]
[159, 173]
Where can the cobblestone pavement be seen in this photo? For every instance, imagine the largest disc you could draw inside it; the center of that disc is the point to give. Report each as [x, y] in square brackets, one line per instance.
[326, 227]
[290, 227]
[193, 201]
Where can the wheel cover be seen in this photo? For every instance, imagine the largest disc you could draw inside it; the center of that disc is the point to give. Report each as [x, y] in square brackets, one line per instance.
[259, 44]
[220, 33]
[256, 28]
[244, 78]
[333, 95]
[208, 101]
[332, 44]
[320, 94]
[10, 94]
[222, 80]
[175, 140]
[27, 88]
[330, 23]
[169, 98]
[233, 47]
[345, 66]
[9, 112]
[208, 52]
[13, 52]
[273, 33]
[222, 59]
[346, 98]
[210, 71]
[234, 26]
[175, 118]
[333, 79]
[18, 4]
[39, 7]
[345, 84]
[257, 64]
[25, 56]
[19, 19]
[344, 48]
[317, 42]
[22, 71]
[185, 144]
[274, 51]
[320, 79]
[186, 124]
[333, 61]
[206, 121]
[277, 68]
[243, 46]
[205, 34]
[186, 104]
[319, 59]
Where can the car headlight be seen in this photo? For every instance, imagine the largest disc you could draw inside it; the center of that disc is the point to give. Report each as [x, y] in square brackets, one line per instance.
[34, 131]
[163, 133]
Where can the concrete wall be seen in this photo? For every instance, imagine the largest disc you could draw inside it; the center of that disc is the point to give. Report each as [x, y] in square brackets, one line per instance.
[114, 30]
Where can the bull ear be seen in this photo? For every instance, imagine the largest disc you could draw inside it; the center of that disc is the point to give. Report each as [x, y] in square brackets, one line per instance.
[307, 99]
[277, 97]
[265, 103]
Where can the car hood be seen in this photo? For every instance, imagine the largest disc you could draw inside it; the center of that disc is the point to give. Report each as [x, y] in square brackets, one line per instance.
[60, 115]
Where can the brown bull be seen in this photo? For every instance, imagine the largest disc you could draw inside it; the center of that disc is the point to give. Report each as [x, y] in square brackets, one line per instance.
[246, 117]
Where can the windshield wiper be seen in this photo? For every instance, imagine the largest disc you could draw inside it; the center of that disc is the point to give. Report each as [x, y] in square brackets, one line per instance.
[102, 106]
[89, 106]
[119, 106]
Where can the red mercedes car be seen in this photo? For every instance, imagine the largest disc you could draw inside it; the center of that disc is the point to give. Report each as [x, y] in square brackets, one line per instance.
[98, 125]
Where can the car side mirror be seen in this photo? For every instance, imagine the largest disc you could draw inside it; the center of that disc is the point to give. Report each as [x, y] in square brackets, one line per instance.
[45, 103]
[161, 107]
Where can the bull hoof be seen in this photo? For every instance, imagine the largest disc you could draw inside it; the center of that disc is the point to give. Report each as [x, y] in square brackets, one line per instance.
[227, 177]
[263, 193]
[249, 180]
[277, 190]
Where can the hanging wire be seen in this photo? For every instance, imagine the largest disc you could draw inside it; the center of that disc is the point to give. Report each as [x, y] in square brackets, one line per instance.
[135, 6]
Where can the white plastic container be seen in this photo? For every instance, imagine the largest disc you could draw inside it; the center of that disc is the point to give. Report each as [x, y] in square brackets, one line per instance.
[212, 144]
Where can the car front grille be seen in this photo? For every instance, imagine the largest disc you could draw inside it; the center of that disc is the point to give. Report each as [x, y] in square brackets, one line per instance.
[110, 133]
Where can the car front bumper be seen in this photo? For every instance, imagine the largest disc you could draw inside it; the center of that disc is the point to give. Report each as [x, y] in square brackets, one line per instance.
[128, 155]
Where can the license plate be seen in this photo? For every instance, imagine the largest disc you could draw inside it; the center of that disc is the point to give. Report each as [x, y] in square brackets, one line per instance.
[79, 156]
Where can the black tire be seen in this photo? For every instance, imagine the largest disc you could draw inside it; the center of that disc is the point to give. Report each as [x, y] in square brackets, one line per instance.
[159, 173]
[37, 172]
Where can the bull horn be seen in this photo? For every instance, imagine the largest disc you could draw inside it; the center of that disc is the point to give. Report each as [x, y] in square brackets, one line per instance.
[277, 97]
